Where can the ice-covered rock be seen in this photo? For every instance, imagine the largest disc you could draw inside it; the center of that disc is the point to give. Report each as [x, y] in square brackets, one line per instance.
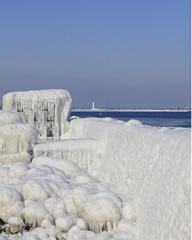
[101, 214]
[47, 110]
[34, 213]
[15, 224]
[9, 197]
[7, 117]
[17, 142]
[69, 168]
[64, 222]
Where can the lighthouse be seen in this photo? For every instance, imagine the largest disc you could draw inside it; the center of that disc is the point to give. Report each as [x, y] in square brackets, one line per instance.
[93, 105]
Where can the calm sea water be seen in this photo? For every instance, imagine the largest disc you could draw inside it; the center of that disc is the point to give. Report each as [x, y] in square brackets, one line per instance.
[162, 119]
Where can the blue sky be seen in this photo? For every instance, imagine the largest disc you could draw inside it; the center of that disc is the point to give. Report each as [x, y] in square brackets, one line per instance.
[120, 53]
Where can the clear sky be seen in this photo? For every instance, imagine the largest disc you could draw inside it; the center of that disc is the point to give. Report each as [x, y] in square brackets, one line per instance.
[120, 53]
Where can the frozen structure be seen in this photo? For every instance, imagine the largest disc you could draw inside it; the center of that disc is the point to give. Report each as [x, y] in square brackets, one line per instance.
[16, 143]
[87, 153]
[151, 166]
[46, 110]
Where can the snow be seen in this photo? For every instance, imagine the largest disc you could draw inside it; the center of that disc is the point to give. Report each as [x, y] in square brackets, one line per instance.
[46, 110]
[104, 179]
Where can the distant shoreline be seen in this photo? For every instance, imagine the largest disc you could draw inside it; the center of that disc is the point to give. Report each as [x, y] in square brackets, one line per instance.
[129, 110]
[124, 110]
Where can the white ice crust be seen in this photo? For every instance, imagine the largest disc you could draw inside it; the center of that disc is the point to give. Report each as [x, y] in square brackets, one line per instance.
[47, 110]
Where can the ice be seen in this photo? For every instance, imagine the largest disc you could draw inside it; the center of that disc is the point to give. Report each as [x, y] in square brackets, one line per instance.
[9, 197]
[64, 222]
[84, 152]
[101, 214]
[47, 110]
[105, 179]
[8, 117]
[34, 213]
[17, 142]
[15, 224]
[69, 168]
[56, 199]
[148, 164]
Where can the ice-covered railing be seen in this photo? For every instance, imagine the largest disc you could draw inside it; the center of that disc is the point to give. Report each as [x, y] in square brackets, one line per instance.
[151, 165]
[87, 153]
[47, 110]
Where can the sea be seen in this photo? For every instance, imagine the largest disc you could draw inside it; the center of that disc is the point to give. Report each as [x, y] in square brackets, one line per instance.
[170, 119]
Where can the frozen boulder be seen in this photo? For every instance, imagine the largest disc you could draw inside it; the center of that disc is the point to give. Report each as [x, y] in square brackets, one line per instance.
[16, 143]
[7, 117]
[16, 138]
[15, 224]
[65, 222]
[101, 214]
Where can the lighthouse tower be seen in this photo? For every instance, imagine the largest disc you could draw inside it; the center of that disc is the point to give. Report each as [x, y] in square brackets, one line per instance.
[93, 105]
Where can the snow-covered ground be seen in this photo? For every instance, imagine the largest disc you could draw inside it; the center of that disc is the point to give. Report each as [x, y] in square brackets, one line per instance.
[105, 179]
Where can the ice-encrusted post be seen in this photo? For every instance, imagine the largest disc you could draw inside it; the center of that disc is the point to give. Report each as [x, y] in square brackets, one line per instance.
[47, 110]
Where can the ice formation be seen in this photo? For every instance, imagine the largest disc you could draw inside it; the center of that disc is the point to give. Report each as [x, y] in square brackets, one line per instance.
[47, 110]
[7, 117]
[52, 203]
[17, 142]
[84, 152]
[106, 179]
[150, 165]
